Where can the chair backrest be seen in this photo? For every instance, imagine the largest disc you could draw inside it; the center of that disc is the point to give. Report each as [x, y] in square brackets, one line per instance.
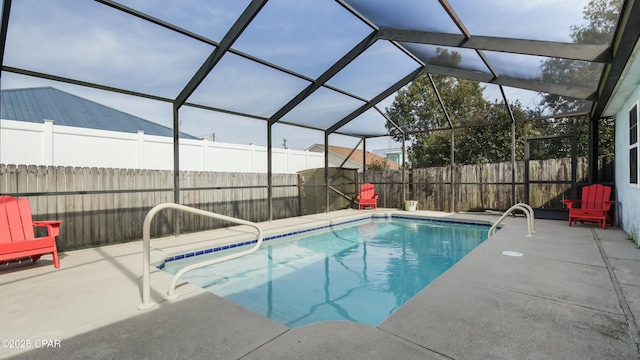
[16, 223]
[367, 191]
[594, 196]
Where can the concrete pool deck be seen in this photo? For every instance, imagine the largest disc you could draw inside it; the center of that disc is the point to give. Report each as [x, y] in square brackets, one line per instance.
[574, 294]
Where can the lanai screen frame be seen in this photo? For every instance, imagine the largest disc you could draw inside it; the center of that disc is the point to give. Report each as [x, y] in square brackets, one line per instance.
[613, 57]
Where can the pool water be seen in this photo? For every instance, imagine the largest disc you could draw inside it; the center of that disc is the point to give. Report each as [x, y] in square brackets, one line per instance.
[362, 272]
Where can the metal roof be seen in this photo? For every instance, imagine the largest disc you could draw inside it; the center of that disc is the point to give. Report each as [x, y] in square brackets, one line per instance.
[47, 103]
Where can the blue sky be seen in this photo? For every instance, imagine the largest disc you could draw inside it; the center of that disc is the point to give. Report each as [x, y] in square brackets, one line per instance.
[88, 41]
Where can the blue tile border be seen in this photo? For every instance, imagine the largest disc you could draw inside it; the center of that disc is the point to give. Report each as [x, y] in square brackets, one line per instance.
[446, 221]
[298, 232]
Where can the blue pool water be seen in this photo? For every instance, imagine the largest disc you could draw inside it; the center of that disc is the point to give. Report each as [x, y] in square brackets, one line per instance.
[360, 272]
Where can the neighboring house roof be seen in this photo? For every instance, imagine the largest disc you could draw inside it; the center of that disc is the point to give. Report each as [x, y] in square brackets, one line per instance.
[356, 156]
[38, 104]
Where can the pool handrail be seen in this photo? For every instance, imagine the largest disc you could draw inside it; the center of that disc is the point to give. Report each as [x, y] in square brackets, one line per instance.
[528, 212]
[146, 249]
[531, 218]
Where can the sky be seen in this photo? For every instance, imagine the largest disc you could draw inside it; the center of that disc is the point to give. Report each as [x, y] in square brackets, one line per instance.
[91, 42]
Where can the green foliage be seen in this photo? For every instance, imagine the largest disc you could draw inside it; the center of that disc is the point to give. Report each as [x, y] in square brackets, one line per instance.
[418, 112]
[601, 16]
[379, 165]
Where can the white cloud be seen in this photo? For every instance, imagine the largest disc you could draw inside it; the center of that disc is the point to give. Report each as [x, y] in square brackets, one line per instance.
[536, 19]
[98, 44]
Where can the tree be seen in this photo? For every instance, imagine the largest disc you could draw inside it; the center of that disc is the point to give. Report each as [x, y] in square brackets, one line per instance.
[379, 165]
[417, 111]
[601, 16]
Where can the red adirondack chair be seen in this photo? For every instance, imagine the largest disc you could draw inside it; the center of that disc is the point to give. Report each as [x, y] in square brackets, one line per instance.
[367, 196]
[593, 207]
[17, 238]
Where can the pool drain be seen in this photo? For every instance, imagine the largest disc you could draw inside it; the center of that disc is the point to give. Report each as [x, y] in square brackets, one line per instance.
[512, 253]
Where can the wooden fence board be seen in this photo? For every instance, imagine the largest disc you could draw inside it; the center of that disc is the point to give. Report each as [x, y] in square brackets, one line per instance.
[84, 239]
[73, 209]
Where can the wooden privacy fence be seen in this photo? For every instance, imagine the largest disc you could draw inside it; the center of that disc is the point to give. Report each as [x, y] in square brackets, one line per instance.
[388, 186]
[486, 186]
[103, 206]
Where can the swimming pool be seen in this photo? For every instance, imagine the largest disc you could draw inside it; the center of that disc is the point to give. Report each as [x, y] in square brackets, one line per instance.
[361, 271]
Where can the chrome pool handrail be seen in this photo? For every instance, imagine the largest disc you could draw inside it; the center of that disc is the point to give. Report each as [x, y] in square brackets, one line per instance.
[530, 218]
[146, 250]
[528, 212]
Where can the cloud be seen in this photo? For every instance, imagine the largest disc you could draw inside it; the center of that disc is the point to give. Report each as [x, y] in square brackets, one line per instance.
[536, 19]
[358, 77]
[241, 85]
[94, 43]
[304, 36]
[211, 19]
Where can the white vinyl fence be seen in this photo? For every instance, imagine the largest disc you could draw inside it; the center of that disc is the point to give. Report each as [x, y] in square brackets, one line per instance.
[55, 145]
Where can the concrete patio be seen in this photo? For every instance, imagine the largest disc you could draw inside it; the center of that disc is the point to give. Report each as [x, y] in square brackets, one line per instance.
[573, 295]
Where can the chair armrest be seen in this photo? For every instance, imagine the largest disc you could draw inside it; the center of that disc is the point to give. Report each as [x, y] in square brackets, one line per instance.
[570, 203]
[53, 226]
[375, 196]
[607, 205]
